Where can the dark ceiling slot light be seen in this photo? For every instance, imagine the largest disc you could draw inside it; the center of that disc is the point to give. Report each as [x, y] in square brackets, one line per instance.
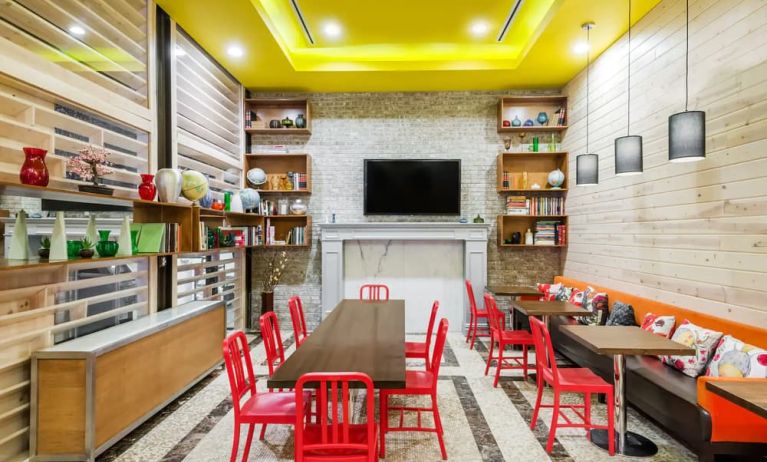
[587, 165]
[687, 130]
[509, 20]
[628, 149]
[304, 26]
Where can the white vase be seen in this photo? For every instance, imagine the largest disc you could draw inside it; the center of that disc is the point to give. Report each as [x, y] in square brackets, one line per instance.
[59, 239]
[90, 232]
[125, 247]
[236, 204]
[168, 182]
[19, 249]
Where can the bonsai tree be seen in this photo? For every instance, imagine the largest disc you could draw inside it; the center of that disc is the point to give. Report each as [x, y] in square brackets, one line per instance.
[90, 164]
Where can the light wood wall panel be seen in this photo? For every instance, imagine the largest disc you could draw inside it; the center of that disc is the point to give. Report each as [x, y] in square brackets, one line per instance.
[694, 234]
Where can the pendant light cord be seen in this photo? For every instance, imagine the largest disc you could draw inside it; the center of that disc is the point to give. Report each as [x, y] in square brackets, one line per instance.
[687, 57]
[628, 112]
[588, 65]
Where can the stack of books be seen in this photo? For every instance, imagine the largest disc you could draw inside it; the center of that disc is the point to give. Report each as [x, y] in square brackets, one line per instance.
[296, 236]
[517, 205]
[546, 232]
[561, 235]
[300, 181]
[547, 205]
[561, 119]
[505, 183]
[267, 207]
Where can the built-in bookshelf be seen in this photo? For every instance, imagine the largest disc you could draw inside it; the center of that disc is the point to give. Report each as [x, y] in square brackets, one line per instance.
[261, 113]
[520, 109]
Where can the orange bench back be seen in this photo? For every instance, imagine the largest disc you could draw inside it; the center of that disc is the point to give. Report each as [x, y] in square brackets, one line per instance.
[753, 335]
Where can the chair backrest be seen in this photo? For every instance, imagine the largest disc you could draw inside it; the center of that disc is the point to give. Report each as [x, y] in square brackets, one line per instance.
[495, 316]
[544, 352]
[239, 367]
[333, 392]
[439, 347]
[270, 333]
[298, 320]
[432, 318]
[472, 300]
[374, 292]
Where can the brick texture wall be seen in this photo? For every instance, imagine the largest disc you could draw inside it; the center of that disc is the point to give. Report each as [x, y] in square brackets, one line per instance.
[349, 127]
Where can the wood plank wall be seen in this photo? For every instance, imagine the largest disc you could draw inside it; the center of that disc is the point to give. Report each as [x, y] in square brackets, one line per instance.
[694, 235]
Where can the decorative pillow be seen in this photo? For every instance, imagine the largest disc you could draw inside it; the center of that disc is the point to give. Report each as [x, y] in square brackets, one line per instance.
[703, 340]
[734, 358]
[564, 294]
[576, 297]
[659, 325]
[549, 291]
[596, 302]
[621, 315]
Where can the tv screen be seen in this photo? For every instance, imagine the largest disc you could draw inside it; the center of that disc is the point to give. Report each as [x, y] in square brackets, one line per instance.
[412, 187]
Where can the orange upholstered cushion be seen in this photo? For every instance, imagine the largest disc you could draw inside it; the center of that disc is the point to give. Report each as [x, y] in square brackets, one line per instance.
[730, 422]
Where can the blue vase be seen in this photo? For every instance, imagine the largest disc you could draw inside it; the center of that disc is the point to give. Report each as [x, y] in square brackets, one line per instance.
[543, 118]
[529, 123]
[516, 122]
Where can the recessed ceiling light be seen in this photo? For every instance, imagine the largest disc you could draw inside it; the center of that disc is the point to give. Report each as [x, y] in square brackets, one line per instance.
[332, 30]
[479, 28]
[76, 30]
[235, 51]
[178, 51]
[581, 48]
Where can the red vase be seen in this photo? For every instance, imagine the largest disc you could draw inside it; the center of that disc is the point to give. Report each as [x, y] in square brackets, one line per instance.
[147, 190]
[33, 170]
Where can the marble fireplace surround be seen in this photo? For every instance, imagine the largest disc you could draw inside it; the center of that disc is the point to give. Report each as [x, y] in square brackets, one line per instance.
[333, 236]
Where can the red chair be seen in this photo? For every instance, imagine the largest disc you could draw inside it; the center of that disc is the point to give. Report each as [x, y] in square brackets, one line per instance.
[258, 408]
[476, 315]
[298, 320]
[374, 292]
[503, 338]
[270, 333]
[421, 349]
[335, 438]
[417, 383]
[568, 380]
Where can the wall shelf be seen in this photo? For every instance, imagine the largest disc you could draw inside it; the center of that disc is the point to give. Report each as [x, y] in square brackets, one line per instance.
[276, 165]
[264, 110]
[528, 107]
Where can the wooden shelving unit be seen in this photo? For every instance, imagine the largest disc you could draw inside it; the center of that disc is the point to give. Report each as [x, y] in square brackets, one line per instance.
[508, 224]
[527, 108]
[279, 165]
[264, 110]
[536, 164]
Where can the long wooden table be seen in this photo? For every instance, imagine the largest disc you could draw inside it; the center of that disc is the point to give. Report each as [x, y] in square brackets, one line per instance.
[358, 336]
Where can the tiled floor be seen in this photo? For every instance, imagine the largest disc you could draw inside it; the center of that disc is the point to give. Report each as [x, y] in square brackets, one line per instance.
[481, 423]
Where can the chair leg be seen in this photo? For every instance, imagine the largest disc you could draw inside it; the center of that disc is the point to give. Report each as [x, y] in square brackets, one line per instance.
[235, 443]
[490, 355]
[499, 364]
[587, 410]
[384, 418]
[524, 359]
[263, 432]
[468, 331]
[537, 405]
[474, 333]
[438, 426]
[554, 422]
[610, 423]
[251, 428]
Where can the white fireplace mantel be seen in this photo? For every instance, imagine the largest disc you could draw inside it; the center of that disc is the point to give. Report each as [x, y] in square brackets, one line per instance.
[333, 235]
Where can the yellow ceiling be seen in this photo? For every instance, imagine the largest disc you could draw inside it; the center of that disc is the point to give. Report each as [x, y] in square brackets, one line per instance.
[402, 45]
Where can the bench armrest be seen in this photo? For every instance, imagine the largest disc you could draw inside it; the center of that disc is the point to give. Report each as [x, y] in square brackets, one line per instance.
[730, 422]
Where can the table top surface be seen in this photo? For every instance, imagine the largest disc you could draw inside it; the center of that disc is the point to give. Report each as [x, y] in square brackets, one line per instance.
[626, 340]
[749, 395]
[357, 336]
[514, 291]
[555, 308]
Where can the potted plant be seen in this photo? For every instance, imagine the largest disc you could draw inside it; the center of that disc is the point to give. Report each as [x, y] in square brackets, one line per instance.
[90, 164]
[45, 248]
[88, 248]
[272, 274]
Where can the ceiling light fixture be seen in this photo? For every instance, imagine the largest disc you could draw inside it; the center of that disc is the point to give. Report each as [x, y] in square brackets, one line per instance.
[332, 30]
[301, 19]
[581, 48]
[587, 165]
[77, 30]
[178, 51]
[628, 149]
[479, 29]
[235, 51]
[509, 20]
[687, 130]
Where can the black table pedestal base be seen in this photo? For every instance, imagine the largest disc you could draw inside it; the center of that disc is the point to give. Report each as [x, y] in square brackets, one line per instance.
[636, 444]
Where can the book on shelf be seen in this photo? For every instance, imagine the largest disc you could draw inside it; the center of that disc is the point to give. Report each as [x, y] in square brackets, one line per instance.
[561, 119]
[546, 232]
[505, 184]
[517, 205]
[544, 205]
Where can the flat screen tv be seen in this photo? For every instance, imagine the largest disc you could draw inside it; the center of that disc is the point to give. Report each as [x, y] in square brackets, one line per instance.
[412, 187]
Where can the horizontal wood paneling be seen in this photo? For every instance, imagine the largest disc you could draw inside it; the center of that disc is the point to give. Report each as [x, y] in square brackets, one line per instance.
[693, 235]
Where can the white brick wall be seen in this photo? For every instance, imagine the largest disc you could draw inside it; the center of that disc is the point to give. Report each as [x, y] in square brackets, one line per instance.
[349, 127]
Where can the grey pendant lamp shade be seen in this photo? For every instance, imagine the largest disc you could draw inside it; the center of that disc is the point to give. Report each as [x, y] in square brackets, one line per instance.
[687, 130]
[628, 149]
[587, 165]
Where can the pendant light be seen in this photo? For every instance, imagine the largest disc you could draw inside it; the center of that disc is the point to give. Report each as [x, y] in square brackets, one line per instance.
[687, 130]
[587, 165]
[628, 149]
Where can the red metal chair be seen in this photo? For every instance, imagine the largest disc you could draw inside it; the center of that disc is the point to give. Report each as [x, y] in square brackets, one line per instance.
[476, 315]
[334, 437]
[503, 338]
[568, 380]
[270, 333]
[298, 320]
[258, 408]
[421, 349]
[417, 383]
[374, 292]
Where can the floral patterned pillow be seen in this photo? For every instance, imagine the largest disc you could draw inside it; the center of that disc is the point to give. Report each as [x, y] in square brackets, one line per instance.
[596, 302]
[704, 342]
[734, 358]
[549, 291]
[563, 295]
[659, 325]
[576, 297]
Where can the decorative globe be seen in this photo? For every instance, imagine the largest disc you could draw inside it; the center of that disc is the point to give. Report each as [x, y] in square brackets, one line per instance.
[256, 176]
[250, 198]
[556, 178]
[194, 185]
